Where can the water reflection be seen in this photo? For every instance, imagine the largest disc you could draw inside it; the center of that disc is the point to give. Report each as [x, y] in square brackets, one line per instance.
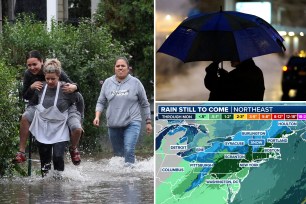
[102, 181]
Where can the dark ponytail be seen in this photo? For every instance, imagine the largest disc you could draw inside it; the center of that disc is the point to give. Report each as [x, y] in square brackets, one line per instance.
[34, 54]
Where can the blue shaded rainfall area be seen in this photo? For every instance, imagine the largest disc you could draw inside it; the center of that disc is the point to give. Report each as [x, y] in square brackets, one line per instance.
[171, 130]
[216, 144]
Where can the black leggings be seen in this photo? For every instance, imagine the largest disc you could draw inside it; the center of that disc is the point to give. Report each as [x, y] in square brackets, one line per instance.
[45, 153]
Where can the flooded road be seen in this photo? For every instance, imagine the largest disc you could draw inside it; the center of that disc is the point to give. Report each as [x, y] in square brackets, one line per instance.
[94, 181]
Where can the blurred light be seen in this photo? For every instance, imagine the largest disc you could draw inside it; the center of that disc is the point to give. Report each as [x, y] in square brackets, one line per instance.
[295, 43]
[282, 33]
[287, 39]
[285, 68]
[302, 53]
[301, 34]
[168, 17]
[260, 9]
[292, 93]
[291, 33]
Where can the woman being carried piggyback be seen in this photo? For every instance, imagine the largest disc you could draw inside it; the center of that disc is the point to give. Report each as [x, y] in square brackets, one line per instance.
[49, 125]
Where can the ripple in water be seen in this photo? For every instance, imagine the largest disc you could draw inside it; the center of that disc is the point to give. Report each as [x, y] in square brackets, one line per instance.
[101, 181]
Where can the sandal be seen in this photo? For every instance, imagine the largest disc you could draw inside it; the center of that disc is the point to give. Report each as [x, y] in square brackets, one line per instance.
[19, 158]
[75, 155]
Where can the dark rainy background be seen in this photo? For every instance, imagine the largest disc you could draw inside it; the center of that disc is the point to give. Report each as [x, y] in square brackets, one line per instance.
[176, 81]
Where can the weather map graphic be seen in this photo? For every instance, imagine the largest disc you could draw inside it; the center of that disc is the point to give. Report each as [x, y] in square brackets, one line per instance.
[230, 153]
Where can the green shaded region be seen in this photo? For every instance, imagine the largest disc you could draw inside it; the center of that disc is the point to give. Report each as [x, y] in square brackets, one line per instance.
[277, 181]
[187, 182]
[243, 173]
[173, 189]
[216, 194]
[224, 166]
[163, 193]
[214, 116]
[175, 181]
[202, 116]
[161, 148]
[260, 155]
[227, 116]
[267, 145]
[204, 194]
[261, 149]
[250, 155]
[280, 135]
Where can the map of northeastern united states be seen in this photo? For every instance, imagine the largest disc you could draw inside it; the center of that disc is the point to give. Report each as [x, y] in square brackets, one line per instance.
[230, 153]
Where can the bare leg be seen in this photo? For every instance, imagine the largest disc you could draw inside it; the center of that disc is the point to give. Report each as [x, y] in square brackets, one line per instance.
[24, 133]
[74, 152]
[75, 137]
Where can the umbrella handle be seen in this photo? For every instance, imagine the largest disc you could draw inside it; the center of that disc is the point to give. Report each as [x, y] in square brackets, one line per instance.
[219, 68]
[221, 63]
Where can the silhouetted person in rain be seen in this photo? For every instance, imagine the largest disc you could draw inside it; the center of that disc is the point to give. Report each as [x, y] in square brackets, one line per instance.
[244, 83]
[216, 80]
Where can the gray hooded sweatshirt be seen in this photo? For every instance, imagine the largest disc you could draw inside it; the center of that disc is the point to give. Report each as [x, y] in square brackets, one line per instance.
[125, 100]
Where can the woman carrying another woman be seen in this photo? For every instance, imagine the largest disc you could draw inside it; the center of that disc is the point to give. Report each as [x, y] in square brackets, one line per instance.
[49, 125]
[125, 96]
[33, 81]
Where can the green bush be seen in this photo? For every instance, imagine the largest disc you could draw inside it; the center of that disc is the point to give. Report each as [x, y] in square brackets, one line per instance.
[9, 118]
[87, 54]
[132, 21]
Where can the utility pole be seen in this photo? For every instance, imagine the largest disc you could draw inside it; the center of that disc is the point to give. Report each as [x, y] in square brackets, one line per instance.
[11, 10]
[66, 15]
[51, 13]
[94, 6]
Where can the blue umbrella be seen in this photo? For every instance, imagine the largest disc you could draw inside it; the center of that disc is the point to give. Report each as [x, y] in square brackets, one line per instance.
[222, 36]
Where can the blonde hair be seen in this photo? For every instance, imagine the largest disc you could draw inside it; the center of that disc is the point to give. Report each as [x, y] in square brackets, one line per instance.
[52, 66]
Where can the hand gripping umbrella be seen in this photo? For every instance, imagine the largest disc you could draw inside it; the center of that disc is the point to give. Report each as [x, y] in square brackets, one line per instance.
[222, 36]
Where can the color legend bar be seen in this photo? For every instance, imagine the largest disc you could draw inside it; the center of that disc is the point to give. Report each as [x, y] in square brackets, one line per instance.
[290, 116]
[227, 116]
[240, 116]
[265, 116]
[253, 116]
[301, 116]
[278, 116]
[202, 116]
[215, 116]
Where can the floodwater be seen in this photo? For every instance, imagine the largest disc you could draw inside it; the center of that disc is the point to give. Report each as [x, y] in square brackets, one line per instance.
[94, 181]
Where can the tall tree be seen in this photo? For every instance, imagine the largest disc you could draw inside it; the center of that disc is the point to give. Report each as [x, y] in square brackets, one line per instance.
[132, 23]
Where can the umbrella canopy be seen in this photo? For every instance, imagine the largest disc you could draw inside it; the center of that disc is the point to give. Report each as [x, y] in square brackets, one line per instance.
[222, 36]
